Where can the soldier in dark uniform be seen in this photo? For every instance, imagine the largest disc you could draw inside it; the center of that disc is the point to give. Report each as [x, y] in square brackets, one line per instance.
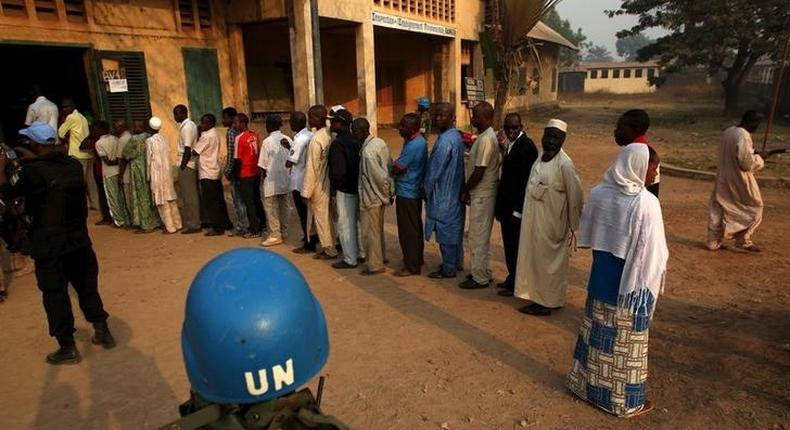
[53, 187]
[253, 333]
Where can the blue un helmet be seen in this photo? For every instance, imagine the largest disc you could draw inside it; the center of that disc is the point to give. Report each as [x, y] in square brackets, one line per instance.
[253, 330]
[424, 102]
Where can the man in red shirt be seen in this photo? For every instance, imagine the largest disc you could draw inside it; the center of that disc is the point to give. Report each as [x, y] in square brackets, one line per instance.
[246, 170]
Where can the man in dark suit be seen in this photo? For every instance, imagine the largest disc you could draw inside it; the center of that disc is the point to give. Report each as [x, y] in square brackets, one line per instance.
[519, 155]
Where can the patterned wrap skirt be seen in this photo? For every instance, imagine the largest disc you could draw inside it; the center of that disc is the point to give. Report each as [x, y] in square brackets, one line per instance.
[610, 359]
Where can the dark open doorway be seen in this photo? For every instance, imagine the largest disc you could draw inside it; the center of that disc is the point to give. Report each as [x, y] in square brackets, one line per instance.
[60, 70]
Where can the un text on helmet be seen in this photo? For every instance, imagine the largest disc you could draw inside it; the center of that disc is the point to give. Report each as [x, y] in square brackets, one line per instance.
[280, 376]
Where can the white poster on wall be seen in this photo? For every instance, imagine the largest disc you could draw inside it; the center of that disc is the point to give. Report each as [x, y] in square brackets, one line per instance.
[118, 85]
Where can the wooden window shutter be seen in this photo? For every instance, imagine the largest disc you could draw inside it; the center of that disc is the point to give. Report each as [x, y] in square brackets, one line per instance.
[133, 104]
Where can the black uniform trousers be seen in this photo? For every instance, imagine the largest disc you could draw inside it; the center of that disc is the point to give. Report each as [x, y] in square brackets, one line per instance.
[250, 190]
[212, 200]
[511, 229]
[410, 232]
[54, 274]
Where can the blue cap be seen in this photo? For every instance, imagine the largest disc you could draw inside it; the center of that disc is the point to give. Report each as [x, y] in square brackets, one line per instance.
[40, 133]
[424, 102]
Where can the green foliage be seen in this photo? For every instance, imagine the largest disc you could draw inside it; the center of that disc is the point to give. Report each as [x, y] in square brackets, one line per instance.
[627, 47]
[598, 53]
[562, 26]
[728, 35]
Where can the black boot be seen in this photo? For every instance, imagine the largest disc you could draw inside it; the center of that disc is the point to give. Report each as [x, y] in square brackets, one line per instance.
[66, 354]
[102, 335]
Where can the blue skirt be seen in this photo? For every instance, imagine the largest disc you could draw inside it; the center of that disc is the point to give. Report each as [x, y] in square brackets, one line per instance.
[610, 359]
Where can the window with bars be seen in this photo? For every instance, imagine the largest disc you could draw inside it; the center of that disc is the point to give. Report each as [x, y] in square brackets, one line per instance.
[616, 74]
[627, 73]
[195, 14]
[46, 9]
[75, 10]
[638, 73]
[439, 10]
[13, 7]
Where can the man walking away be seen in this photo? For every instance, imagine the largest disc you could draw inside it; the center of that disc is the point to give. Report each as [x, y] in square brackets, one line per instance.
[242, 226]
[161, 178]
[632, 128]
[248, 177]
[444, 178]
[316, 184]
[53, 186]
[736, 205]
[344, 185]
[409, 171]
[73, 131]
[107, 151]
[121, 131]
[276, 181]
[375, 194]
[520, 155]
[297, 159]
[211, 193]
[187, 175]
[41, 110]
[143, 214]
[552, 209]
[479, 192]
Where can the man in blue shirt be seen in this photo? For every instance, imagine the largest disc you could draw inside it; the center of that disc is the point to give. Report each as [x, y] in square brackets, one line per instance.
[409, 170]
[444, 178]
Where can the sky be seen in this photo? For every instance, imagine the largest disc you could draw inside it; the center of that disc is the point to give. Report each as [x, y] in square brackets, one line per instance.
[599, 28]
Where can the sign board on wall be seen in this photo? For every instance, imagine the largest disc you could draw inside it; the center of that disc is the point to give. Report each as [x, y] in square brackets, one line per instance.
[475, 90]
[407, 24]
[108, 75]
[118, 85]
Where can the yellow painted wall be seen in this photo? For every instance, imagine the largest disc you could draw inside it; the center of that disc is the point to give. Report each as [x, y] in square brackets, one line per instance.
[621, 85]
[148, 26]
[523, 97]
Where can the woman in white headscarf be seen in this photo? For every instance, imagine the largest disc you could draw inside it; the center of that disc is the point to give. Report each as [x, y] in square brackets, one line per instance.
[623, 225]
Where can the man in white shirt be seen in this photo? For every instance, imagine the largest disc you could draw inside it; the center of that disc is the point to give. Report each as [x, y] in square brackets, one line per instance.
[276, 180]
[187, 174]
[209, 173]
[107, 150]
[41, 109]
[296, 162]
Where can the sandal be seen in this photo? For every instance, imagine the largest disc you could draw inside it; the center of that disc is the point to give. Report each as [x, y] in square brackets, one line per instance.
[646, 408]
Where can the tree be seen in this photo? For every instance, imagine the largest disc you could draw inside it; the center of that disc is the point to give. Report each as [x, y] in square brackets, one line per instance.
[505, 43]
[721, 35]
[598, 53]
[568, 57]
[627, 47]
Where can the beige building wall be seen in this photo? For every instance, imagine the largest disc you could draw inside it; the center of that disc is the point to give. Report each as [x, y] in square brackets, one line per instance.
[536, 85]
[148, 26]
[621, 85]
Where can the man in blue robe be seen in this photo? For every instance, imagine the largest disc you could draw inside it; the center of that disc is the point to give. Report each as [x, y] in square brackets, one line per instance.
[444, 179]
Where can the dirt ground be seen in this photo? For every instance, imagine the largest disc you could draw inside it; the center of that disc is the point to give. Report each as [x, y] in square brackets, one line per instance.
[420, 354]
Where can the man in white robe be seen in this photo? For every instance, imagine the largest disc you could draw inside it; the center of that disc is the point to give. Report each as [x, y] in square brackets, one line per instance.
[736, 206]
[552, 209]
[160, 177]
[316, 184]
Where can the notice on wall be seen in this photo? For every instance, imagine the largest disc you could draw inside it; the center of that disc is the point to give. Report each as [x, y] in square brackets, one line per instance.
[110, 74]
[475, 90]
[118, 85]
[400, 23]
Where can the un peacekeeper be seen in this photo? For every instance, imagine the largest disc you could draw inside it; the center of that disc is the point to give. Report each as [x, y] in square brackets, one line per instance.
[424, 111]
[253, 333]
[54, 190]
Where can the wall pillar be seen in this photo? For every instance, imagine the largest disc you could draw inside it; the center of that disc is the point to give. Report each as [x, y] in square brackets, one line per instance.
[302, 58]
[366, 73]
[238, 68]
[453, 78]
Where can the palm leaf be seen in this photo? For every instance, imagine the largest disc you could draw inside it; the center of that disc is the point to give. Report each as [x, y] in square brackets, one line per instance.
[517, 18]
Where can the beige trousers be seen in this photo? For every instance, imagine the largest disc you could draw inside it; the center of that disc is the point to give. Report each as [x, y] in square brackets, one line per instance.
[90, 181]
[372, 233]
[276, 208]
[170, 215]
[322, 224]
[481, 220]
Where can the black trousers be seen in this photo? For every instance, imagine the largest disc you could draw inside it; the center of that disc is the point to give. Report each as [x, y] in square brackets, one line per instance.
[301, 209]
[80, 269]
[654, 188]
[511, 229]
[410, 232]
[103, 205]
[250, 190]
[212, 201]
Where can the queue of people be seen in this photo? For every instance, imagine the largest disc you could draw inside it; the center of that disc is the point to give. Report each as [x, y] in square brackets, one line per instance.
[340, 179]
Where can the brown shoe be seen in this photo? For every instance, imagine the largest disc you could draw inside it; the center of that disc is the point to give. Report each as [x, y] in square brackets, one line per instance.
[404, 273]
[367, 272]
